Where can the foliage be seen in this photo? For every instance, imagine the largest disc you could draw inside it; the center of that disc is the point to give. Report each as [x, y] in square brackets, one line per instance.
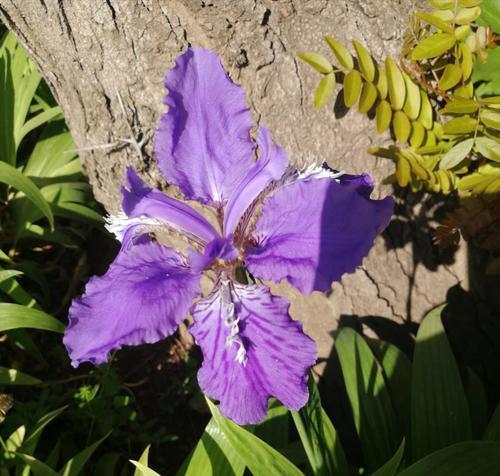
[411, 418]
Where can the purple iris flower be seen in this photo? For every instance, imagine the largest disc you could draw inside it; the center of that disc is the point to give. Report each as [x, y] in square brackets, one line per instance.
[268, 220]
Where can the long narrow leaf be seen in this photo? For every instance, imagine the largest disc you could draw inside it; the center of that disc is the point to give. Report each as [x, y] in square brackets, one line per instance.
[38, 120]
[75, 465]
[15, 377]
[34, 434]
[15, 316]
[39, 468]
[390, 468]
[261, 459]
[439, 411]
[12, 177]
[492, 431]
[317, 433]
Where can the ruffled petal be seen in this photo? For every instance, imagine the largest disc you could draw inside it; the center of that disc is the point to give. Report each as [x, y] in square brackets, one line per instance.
[315, 229]
[146, 207]
[257, 353]
[203, 141]
[270, 166]
[146, 292]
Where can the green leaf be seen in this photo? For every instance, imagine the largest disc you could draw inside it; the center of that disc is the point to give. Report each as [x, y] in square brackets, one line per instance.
[492, 432]
[39, 468]
[366, 63]
[370, 401]
[488, 74]
[39, 120]
[396, 84]
[74, 466]
[467, 15]
[383, 116]
[390, 468]
[15, 377]
[417, 135]
[442, 4]
[6, 274]
[317, 61]
[425, 117]
[143, 470]
[436, 21]
[490, 15]
[324, 91]
[434, 45]
[460, 106]
[403, 172]
[456, 154]
[12, 177]
[352, 87]
[460, 125]
[343, 56]
[15, 316]
[367, 98]
[491, 119]
[466, 60]
[401, 126]
[489, 148]
[213, 455]
[143, 460]
[413, 99]
[274, 429]
[471, 458]
[451, 76]
[478, 407]
[35, 433]
[261, 459]
[439, 411]
[319, 438]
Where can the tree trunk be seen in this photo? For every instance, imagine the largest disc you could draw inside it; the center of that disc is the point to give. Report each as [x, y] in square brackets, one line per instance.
[90, 50]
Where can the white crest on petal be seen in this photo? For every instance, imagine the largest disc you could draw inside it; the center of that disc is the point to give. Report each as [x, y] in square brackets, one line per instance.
[118, 224]
[317, 171]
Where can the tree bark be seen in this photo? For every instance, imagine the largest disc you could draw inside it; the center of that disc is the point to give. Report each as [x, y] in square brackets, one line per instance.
[90, 50]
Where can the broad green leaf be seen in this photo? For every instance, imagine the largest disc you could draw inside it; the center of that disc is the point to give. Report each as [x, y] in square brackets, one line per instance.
[324, 91]
[417, 135]
[456, 154]
[413, 99]
[490, 15]
[492, 432]
[274, 429]
[395, 84]
[343, 56]
[367, 98]
[15, 316]
[489, 148]
[74, 466]
[401, 126]
[467, 15]
[425, 117]
[436, 21]
[434, 45]
[261, 459]
[460, 125]
[15, 377]
[383, 116]
[142, 470]
[470, 458]
[390, 468]
[460, 106]
[12, 177]
[491, 119]
[439, 411]
[451, 76]
[478, 407]
[486, 76]
[6, 274]
[352, 87]
[319, 438]
[213, 455]
[317, 61]
[370, 401]
[39, 468]
[366, 63]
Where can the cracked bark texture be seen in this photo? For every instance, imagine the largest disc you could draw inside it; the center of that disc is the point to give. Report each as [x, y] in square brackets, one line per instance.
[88, 50]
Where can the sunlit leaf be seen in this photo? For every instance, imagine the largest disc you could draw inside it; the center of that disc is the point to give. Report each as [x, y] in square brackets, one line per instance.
[489, 148]
[491, 119]
[417, 135]
[366, 63]
[490, 15]
[434, 45]
[381, 82]
[324, 91]
[451, 76]
[317, 61]
[352, 87]
[39, 468]
[383, 116]
[395, 84]
[425, 116]
[368, 97]
[413, 99]
[436, 21]
[343, 56]
[460, 125]
[142, 470]
[403, 172]
[460, 106]
[467, 15]
[456, 154]
[442, 4]
[15, 316]
[401, 126]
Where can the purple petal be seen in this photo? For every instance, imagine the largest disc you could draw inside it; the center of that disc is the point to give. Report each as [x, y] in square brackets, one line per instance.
[203, 142]
[277, 352]
[313, 230]
[270, 166]
[220, 248]
[146, 292]
[144, 204]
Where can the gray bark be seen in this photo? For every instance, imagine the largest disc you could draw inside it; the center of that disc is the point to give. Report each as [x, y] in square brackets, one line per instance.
[88, 50]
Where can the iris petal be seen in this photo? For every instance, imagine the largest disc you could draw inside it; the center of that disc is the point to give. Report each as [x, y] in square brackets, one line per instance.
[146, 292]
[275, 359]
